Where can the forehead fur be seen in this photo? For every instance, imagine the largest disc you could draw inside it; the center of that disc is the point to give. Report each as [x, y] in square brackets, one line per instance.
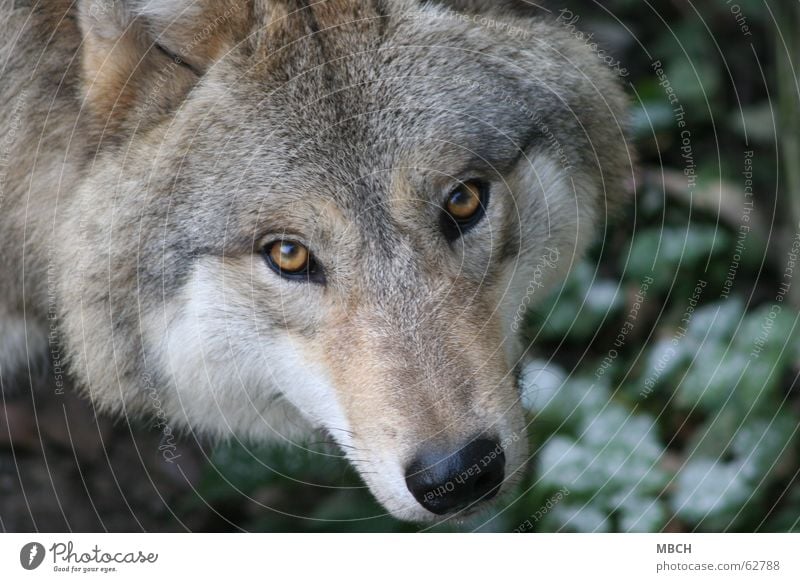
[338, 103]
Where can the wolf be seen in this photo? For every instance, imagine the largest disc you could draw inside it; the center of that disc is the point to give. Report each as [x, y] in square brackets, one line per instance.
[271, 218]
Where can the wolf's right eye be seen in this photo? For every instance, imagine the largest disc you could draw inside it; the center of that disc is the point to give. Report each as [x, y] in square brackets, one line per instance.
[464, 202]
[292, 260]
[464, 208]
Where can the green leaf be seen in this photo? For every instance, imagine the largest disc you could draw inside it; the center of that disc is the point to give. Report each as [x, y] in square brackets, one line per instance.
[616, 454]
[651, 116]
[641, 514]
[709, 493]
[696, 82]
[553, 398]
[762, 444]
[712, 378]
[665, 360]
[541, 384]
[627, 450]
[579, 309]
[577, 518]
[563, 462]
[714, 323]
[713, 438]
[665, 252]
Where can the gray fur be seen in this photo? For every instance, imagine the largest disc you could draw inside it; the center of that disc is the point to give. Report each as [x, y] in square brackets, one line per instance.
[136, 207]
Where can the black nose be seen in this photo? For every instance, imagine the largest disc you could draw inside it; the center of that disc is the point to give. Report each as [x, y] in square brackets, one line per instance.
[446, 481]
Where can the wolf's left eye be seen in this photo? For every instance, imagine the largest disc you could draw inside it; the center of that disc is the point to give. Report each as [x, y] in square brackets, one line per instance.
[292, 260]
[464, 208]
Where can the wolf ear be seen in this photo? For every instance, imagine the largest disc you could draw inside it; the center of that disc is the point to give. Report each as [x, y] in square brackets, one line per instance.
[143, 56]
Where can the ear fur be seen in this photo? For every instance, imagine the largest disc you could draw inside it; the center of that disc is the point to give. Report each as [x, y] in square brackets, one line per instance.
[143, 56]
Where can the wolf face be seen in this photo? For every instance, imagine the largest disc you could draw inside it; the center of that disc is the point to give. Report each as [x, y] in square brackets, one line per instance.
[332, 216]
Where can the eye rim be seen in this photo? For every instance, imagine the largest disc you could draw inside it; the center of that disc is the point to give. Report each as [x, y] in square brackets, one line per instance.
[453, 227]
[310, 273]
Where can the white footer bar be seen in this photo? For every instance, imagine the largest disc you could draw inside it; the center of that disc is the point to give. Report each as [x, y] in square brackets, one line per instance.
[370, 557]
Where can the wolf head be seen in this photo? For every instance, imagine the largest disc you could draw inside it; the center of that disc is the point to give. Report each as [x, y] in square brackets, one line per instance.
[333, 215]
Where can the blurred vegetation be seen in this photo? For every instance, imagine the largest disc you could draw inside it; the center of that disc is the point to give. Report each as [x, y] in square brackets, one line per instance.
[690, 422]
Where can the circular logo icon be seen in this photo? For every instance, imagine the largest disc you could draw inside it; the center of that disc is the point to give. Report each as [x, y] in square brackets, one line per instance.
[31, 555]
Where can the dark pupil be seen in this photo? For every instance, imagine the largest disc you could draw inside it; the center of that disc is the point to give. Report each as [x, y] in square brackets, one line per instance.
[461, 198]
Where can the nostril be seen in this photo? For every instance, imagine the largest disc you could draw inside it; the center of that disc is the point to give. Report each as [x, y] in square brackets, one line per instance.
[447, 481]
[484, 482]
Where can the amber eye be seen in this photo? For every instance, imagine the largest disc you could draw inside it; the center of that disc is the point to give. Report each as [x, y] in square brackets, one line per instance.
[464, 208]
[464, 201]
[292, 260]
[289, 256]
